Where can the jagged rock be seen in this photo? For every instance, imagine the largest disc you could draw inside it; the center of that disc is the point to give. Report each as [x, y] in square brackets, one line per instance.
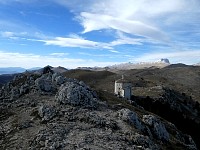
[51, 138]
[46, 112]
[24, 89]
[15, 93]
[143, 142]
[130, 117]
[165, 60]
[44, 84]
[156, 126]
[47, 69]
[59, 80]
[186, 139]
[74, 93]
[54, 76]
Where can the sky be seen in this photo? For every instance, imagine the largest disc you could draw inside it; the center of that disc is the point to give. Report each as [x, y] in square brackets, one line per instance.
[88, 33]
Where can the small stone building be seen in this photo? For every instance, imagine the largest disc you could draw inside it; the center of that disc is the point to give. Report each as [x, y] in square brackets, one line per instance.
[123, 88]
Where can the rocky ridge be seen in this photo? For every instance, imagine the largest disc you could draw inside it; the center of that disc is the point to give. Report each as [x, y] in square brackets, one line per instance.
[48, 111]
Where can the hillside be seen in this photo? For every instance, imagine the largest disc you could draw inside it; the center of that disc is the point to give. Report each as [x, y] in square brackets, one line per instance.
[50, 111]
[171, 92]
[5, 78]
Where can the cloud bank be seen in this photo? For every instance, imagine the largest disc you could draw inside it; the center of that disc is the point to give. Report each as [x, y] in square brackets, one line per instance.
[27, 60]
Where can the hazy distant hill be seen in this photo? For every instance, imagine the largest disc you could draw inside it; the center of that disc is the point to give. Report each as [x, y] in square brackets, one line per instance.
[11, 70]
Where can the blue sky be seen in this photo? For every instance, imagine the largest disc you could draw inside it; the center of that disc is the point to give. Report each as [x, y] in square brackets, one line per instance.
[35, 33]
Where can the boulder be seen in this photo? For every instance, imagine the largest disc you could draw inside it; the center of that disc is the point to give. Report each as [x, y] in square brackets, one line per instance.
[59, 80]
[44, 84]
[76, 94]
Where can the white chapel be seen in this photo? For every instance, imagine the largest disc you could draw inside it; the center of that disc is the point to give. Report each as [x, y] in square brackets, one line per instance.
[123, 88]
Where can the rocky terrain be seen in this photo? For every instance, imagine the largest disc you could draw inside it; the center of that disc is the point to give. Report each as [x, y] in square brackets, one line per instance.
[171, 92]
[6, 78]
[52, 111]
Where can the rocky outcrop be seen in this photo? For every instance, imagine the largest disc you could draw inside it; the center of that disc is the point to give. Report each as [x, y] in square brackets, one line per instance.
[165, 60]
[130, 117]
[76, 93]
[44, 83]
[156, 127]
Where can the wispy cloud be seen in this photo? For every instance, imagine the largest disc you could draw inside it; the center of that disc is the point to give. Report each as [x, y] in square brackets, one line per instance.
[75, 42]
[7, 34]
[59, 54]
[148, 19]
[8, 59]
[93, 22]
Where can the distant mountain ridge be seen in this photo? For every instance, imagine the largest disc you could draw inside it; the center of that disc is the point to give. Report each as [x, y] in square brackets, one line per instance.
[14, 70]
[11, 70]
[127, 66]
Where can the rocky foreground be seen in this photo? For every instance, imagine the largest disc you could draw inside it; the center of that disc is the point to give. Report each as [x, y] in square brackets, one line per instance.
[47, 111]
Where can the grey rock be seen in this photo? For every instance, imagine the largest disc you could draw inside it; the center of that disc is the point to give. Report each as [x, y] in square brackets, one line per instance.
[130, 117]
[143, 142]
[25, 125]
[46, 112]
[156, 126]
[44, 84]
[24, 89]
[74, 93]
[50, 138]
[59, 80]
[15, 93]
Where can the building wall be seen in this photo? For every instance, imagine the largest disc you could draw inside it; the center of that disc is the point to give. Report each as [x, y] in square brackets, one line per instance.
[123, 90]
[118, 87]
[127, 93]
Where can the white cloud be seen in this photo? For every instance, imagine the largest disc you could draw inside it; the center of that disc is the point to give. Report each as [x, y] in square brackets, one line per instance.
[123, 39]
[75, 42]
[93, 22]
[59, 54]
[7, 34]
[146, 18]
[13, 35]
[8, 59]
[114, 51]
[187, 57]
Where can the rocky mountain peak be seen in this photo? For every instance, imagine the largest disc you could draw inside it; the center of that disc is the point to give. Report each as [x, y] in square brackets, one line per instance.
[165, 60]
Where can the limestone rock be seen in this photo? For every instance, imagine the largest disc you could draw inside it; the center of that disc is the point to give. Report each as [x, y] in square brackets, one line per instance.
[74, 93]
[59, 80]
[15, 93]
[165, 60]
[46, 112]
[44, 84]
[24, 89]
[156, 126]
[50, 138]
[130, 117]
